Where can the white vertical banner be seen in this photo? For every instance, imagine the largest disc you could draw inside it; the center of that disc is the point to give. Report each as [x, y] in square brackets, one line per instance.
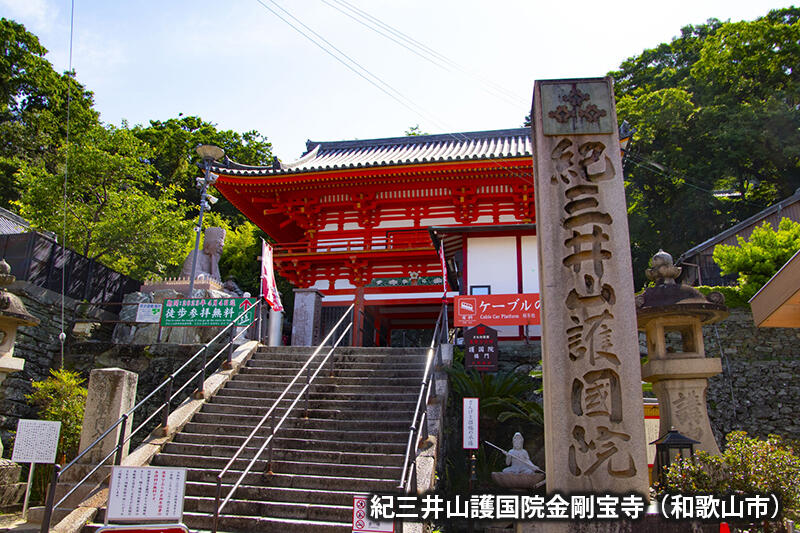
[470, 436]
[444, 267]
[269, 289]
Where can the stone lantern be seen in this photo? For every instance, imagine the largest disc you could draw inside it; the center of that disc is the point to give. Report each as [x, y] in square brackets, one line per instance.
[672, 316]
[12, 315]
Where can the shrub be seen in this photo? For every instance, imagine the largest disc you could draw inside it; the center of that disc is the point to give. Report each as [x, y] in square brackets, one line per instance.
[748, 465]
[757, 259]
[61, 398]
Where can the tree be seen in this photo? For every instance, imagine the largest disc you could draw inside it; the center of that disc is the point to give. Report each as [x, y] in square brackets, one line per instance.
[33, 108]
[757, 259]
[112, 213]
[716, 110]
[175, 160]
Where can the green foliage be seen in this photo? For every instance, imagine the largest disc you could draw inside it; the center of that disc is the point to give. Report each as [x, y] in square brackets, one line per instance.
[414, 131]
[718, 108]
[757, 259]
[507, 405]
[61, 398]
[175, 160]
[33, 108]
[748, 465]
[111, 214]
[733, 297]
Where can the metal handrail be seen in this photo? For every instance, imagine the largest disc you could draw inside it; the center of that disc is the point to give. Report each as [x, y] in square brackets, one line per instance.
[419, 422]
[165, 407]
[269, 415]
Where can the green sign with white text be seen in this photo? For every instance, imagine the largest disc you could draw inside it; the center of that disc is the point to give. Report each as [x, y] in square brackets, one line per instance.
[198, 312]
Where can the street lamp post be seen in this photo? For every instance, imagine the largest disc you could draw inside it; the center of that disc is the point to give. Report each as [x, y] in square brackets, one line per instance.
[209, 153]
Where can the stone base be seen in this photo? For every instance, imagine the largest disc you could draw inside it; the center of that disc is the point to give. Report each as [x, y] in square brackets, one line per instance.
[11, 490]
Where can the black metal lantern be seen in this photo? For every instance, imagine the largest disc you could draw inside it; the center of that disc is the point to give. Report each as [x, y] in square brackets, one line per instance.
[671, 446]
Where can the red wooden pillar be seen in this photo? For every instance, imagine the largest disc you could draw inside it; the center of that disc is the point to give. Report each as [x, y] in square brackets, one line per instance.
[358, 317]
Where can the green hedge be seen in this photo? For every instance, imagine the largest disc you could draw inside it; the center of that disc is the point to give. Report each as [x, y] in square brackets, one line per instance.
[733, 297]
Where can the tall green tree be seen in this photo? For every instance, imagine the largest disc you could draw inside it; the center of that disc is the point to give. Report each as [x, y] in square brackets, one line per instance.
[717, 113]
[112, 213]
[175, 160]
[33, 108]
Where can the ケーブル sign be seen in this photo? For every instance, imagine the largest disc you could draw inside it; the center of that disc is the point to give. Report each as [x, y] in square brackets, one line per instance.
[496, 310]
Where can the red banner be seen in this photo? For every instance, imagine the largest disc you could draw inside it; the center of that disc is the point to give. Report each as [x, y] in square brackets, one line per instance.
[496, 310]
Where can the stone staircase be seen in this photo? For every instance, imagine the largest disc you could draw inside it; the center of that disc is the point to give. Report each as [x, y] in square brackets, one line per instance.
[352, 442]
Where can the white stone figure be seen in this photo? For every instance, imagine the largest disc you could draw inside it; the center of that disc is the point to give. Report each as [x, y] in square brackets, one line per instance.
[208, 259]
[518, 457]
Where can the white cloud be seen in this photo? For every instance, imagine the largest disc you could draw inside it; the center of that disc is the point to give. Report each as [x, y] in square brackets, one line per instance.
[37, 15]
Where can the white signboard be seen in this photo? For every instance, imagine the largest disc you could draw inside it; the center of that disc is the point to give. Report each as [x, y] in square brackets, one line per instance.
[36, 441]
[470, 429]
[362, 523]
[148, 313]
[146, 493]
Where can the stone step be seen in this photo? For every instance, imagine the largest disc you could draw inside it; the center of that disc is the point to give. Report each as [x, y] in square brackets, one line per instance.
[201, 522]
[344, 426]
[326, 385]
[347, 350]
[282, 442]
[358, 365]
[273, 509]
[323, 398]
[346, 372]
[323, 378]
[261, 524]
[309, 455]
[219, 408]
[284, 467]
[298, 481]
[282, 494]
[309, 434]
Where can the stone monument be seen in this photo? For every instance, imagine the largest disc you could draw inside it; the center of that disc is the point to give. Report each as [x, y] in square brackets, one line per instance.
[594, 419]
[672, 316]
[208, 259]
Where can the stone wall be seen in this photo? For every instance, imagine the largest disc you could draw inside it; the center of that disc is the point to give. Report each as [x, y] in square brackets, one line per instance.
[759, 389]
[40, 347]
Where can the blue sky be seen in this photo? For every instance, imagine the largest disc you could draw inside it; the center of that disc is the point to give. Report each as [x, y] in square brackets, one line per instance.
[236, 64]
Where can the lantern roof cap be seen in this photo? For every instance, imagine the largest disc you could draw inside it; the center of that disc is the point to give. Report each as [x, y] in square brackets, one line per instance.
[11, 307]
[674, 439]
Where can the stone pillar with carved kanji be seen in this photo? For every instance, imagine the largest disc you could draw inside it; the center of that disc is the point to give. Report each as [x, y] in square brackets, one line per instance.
[594, 417]
[672, 316]
[307, 318]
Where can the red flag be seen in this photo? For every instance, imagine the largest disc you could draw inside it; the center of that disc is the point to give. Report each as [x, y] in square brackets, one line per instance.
[444, 267]
[269, 290]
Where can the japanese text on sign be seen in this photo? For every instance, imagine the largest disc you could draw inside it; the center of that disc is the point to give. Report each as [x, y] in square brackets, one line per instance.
[496, 310]
[146, 493]
[470, 429]
[207, 312]
[36, 441]
[480, 344]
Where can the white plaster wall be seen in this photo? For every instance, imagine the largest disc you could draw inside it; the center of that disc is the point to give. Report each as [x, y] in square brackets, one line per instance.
[493, 261]
[530, 273]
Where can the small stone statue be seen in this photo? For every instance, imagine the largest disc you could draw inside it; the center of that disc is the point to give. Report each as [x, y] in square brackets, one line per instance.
[208, 260]
[518, 457]
[522, 474]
